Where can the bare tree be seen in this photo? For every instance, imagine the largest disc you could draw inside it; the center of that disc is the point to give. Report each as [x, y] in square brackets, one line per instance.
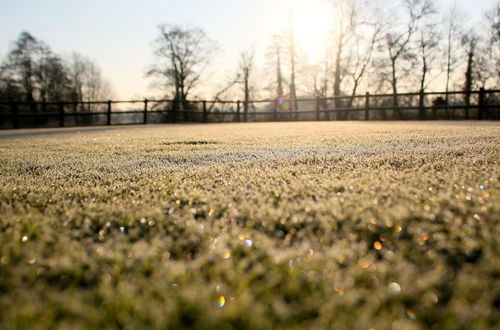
[40, 74]
[398, 40]
[279, 72]
[95, 87]
[21, 63]
[492, 48]
[367, 36]
[86, 82]
[292, 52]
[355, 36]
[246, 68]
[470, 42]
[494, 19]
[182, 54]
[323, 90]
[453, 21]
[51, 77]
[77, 67]
[428, 52]
[275, 56]
[217, 96]
[316, 79]
[345, 24]
[362, 55]
[10, 89]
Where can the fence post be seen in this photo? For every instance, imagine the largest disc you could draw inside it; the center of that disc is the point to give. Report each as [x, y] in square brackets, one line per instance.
[296, 106]
[238, 110]
[338, 114]
[367, 106]
[275, 111]
[61, 114]
[109, 114]
[15, 115]
[467, 103]
[421, 113]
[481, 104]
[204, 111]
[174, 111]
[245, 110]
[318, 100]
[145, 119]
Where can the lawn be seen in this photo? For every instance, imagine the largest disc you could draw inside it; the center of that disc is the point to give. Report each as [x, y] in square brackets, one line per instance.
[275, 225]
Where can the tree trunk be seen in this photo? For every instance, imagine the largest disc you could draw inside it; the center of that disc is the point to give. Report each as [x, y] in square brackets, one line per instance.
[337, 81]
[247, 97]
[468, 82]
[395, 102]
[293, 91]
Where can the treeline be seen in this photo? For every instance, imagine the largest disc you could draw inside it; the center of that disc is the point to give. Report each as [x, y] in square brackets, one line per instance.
[376, 46]
[390, 47]
[32, 72]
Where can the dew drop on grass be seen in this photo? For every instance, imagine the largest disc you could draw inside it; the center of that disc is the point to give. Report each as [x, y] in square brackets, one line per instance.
[248, 243]
[227, 254]
[24, 239]
[221, 301]
[377, 245]
[411, 314]
[4, 260]
[395, 288]
[430, 299]
[122, 229]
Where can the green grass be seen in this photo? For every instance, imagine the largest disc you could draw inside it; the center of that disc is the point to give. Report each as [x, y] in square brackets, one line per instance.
[287, 225]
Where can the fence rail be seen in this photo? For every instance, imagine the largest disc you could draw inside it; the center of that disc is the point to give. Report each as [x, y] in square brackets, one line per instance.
[478, 105]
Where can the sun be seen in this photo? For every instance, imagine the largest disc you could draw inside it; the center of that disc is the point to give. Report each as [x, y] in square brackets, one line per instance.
[312, 22]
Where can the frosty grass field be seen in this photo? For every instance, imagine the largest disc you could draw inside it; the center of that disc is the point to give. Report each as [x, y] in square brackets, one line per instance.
[233, 226]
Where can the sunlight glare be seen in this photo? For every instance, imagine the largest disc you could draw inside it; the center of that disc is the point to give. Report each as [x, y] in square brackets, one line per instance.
[312, 23]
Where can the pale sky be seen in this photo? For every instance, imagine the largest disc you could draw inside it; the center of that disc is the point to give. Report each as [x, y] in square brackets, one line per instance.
[117, 34]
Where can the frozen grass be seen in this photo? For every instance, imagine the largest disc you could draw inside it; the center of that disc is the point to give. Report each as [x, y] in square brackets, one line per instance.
[289, 225]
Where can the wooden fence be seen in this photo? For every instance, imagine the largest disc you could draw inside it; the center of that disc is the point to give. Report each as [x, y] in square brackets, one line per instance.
[477, 105]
